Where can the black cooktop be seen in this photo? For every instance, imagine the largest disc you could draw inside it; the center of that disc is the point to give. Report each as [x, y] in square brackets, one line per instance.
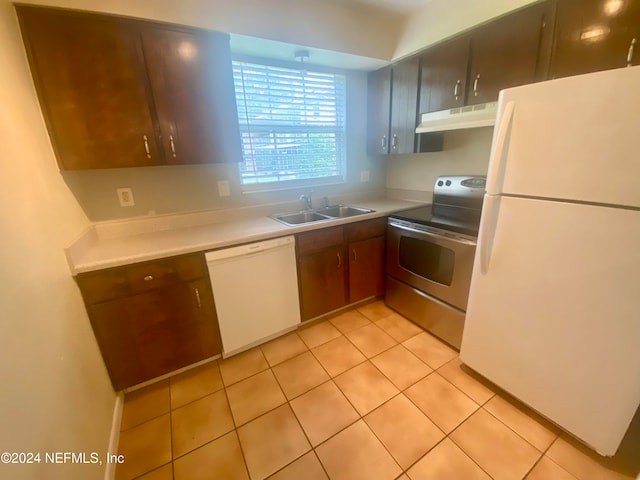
[465, 221]
[457, 205]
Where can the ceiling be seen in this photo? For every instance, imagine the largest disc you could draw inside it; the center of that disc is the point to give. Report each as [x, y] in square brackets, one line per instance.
[259, 47]
[397, 6]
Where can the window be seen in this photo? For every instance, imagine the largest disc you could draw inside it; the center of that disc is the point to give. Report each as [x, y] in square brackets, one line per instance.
[292, 124]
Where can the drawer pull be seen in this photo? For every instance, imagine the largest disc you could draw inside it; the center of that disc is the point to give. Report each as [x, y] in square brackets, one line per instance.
[630, 52]
[355, 255]
[475, 85]
[198, 298]
[173, 146]
[146, 146]
[148, 278]
[456, 90]
[339, 260]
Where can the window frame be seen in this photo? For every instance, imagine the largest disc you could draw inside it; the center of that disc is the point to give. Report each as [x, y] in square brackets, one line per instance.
[277, 185]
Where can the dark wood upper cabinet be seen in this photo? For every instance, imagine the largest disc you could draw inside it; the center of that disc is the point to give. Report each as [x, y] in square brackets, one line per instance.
[443, 79]
[190, 78]
[124, 93]
[378, 111]
[404, 105]
[511, 51]
[393, 110]
[90, 77]
[473, 67]
[594, 35]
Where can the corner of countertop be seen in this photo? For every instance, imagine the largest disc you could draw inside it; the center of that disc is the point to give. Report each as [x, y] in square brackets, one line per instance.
[80, 246]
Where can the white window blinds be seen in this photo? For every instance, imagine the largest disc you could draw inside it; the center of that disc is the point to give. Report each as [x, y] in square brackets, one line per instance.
[292, 123]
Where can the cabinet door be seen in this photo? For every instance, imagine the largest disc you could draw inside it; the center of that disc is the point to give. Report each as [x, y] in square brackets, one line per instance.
[593, 35]
[508, 52]
[366, 268]
[147, 335]
[443, 75]
[192, 82]
[404, 105]
[90, 77]
[322, 282]
[379, 111]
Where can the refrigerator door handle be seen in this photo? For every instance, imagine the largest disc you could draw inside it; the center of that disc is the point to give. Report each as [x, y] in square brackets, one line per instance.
[488, 230]
[496, 173]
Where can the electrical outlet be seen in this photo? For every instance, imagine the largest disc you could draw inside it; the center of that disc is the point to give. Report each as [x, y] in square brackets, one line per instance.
[364, 176]
[125, 196]
[223, 188]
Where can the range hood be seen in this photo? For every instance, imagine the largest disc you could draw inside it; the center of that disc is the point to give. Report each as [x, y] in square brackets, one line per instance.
[472, 116]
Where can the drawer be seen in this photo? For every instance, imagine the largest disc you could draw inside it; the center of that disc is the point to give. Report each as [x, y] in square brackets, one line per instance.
[366, 229]
[317, 240]
[137, 278]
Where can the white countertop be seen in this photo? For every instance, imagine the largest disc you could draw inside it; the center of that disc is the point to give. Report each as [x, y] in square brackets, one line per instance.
[100, 248]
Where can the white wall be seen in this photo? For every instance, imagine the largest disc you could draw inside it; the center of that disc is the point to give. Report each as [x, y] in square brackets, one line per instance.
[56, 395]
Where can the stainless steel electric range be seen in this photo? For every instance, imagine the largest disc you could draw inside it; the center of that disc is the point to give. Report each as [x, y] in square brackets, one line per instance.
[430, 253]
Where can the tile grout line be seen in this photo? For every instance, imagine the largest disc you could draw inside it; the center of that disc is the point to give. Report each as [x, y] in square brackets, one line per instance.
[332, 379]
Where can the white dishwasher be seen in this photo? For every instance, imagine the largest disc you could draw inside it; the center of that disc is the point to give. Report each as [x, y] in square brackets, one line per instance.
[255, 288]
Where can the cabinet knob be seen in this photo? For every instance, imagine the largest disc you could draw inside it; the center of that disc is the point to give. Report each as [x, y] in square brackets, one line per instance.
[475, 85]
[632, 46]
[148, 278]
[146, 146]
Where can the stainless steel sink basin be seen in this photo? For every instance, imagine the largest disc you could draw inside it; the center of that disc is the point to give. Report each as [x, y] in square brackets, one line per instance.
[327, 213]
[342, 211]
[298, 218]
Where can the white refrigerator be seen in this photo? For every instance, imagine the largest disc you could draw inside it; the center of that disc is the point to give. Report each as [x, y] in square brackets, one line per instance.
[554, 307]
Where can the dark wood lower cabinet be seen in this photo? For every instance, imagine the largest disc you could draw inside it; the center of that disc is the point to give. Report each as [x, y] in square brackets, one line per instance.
[151, 331]
[322, 282]
[366, 268]
[340, 265]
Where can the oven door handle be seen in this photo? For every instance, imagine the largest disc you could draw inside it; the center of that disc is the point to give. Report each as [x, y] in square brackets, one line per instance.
[452, 238]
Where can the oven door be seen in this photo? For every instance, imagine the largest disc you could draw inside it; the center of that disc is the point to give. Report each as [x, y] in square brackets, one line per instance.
[430, 260]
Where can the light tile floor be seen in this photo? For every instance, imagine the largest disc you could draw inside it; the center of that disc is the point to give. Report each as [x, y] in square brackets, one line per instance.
[364, 395]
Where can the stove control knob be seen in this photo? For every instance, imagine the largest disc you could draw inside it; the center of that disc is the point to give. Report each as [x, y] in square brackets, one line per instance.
[448, 183]
[440, 183]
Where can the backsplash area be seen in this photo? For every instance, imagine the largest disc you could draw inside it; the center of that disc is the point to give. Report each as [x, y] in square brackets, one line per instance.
[464, 152]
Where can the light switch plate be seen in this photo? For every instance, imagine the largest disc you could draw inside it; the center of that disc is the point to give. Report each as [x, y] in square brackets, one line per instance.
[364, 176]
[125, 196]
[223, 188]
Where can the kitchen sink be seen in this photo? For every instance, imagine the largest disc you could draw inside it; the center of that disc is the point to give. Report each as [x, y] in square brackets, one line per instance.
[298, 218]
[326, 213]
[342, 211]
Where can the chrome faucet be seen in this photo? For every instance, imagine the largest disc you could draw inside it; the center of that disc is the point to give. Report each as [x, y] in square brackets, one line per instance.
[306, 199]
